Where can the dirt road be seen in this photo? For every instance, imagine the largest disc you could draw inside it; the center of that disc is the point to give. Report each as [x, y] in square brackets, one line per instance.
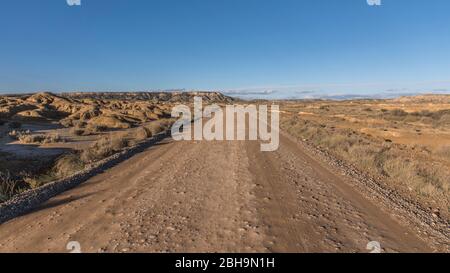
[213, 197]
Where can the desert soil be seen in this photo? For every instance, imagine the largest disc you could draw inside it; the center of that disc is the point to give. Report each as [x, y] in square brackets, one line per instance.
[212, 197]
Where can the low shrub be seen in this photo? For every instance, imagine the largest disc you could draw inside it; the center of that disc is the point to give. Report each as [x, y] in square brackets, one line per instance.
[8, 186]
[31, 138]
[67, 165]
[16, 134]
[104, 147]
[97, 128]
[94, 129]
[63, 167]
[142, 133]
[155, 128]
[399, 113]
[445, 120]
[77, 131]
[36, 182]
[40, 138]
[159, 126]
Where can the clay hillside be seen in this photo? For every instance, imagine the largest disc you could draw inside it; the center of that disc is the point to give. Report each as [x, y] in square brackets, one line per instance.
[110, 110]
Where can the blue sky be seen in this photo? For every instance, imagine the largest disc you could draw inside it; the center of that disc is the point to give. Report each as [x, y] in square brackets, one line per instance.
[259, 47]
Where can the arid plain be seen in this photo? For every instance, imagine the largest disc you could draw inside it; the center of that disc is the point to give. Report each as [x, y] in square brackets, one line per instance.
[346, 173]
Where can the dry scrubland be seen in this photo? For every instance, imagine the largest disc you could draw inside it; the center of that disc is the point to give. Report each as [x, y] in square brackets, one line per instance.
[45, 137]
[289, 200]
[404, 143]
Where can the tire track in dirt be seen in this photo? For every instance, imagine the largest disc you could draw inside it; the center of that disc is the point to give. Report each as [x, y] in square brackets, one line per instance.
[211, 197]
[309, 209]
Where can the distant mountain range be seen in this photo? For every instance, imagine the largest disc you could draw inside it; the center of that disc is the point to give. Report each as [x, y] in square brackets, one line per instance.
[320, 95]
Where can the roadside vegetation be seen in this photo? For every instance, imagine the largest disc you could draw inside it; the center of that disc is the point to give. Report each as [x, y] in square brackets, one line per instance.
[82, 128]
[69, 164]
[8, 186]
[436, 119]
[375, 141]
[26, 137]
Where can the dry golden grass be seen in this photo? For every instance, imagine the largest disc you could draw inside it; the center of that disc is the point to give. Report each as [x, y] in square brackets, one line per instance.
[8, 186]
[377, 157]
[376, 142]
[67, 165]
[14, 125]
[142, 133]
[443, 152]
[63, 167]
[105, 147]
[41, 138]
[116, 141]
[159, 126]
[111, 121]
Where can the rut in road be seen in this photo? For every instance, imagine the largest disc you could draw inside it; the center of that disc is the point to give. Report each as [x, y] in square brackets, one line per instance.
[204, 196]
